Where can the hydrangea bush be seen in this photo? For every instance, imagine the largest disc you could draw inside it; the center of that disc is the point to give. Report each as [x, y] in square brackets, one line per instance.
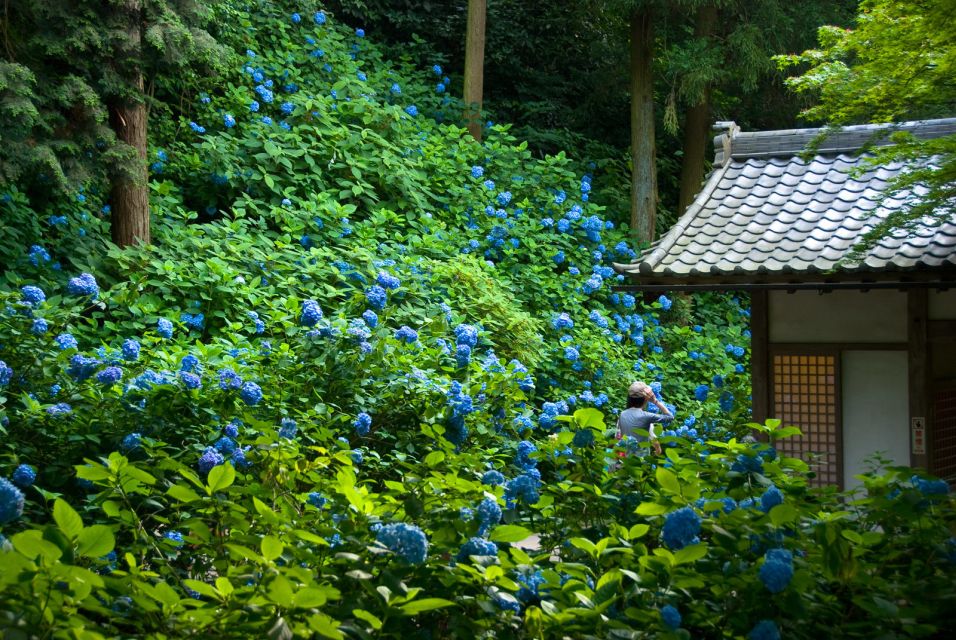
[365, 384]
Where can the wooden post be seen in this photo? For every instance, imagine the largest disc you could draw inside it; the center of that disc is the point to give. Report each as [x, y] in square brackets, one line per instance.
[643, 152]
[474, 66]
[760, 355]
[918, 370]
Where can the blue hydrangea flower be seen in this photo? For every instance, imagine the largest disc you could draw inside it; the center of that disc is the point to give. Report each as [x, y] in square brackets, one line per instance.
[411, 110]
[462, 355]
[190, 380]
[477, 547]
[287, 108]
[38, 255]
[583, 438]
[363, 423]
[6, 373]
[175, 537]
[466, 514]
[319, 18]
[60, 409]
[229, 120]
[251, 393]
[770, 499]
[388, 281]
[317, 500]
[193, 320]
[764, 630]
[777, 570]
[357, 456]
[33, 295]
[109, 376]
[360, 33]
[11, 502]
[570, 353]
[376, 297]
[370, 318]
[405, 540]
[671, 616]
[288, 428]
[210, 458]
[493, 478]
[83, 285]
[40, 326]
[82, 368]
[406, 334]
[489, 514]
[666, 303]
[226, 445]
[680, 528]
[165, 328]
[726, 401]
[477, 172]
[232, 429]
[229, 380]
[130, 350]
[701, 392]
[310, 314]
[296, 18]
[562, 321]
[524, 487]
[24, 476]
[131, 442]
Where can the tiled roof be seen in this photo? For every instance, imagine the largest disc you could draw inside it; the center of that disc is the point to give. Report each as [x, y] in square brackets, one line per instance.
[768, 213]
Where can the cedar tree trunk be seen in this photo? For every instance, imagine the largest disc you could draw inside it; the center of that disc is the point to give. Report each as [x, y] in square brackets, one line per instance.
[696, 124]
[474, 66]
[643, 171]
[129, 193]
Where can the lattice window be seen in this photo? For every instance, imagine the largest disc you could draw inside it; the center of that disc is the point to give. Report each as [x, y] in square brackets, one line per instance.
[806, 394]
[944, 435]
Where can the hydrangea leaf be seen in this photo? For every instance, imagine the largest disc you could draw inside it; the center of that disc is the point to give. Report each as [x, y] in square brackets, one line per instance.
[509, 533]
[68, 520]
[95, 541]
[425, 604]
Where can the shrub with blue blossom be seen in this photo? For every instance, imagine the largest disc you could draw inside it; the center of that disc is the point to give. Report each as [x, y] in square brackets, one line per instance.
[210, 458]
[288, 428]
[405, 540]
[363, 424]
[681, 528]
[33, 295]
[776, 570]
[477, 547]
[310, 313]
[11, 501]
[24, 476]
[671, 616]
[83, 285]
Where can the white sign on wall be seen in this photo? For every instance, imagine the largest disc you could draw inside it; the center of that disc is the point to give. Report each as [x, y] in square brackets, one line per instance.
[918, 430]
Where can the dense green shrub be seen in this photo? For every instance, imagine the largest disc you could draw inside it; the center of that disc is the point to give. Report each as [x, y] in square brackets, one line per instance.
[288, 414]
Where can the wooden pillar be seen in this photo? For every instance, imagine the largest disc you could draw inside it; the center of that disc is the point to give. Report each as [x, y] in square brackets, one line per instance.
[919, 372]
[760, 355]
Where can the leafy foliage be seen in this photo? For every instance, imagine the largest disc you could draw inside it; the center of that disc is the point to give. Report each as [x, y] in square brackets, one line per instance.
[366, 365]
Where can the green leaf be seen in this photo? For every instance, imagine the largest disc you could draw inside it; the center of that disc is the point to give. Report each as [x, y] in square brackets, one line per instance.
[201, 588]
[425, 604]
[271, 547]
[851, 535]
[434, 458]
[370, 618]
[638, 531]
[182, 493]
[589, 418]
[95, 541]
[584, 544]
[310, 597]
[651, 509]
[68, 520]
[223, 586]
[509, 533]
[782, 514]
[31, 544]
[279, 590]
[690, 554]
[668, 480]
[220, 477]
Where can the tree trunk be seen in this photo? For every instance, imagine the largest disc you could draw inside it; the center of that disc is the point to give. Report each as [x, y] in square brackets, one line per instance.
[643, 171]
[129, 192]
[696, 124]
[474, 66]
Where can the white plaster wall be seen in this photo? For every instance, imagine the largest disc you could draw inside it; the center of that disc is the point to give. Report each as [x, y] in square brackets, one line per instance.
[875, 409]
[838, 316]
[942, 304]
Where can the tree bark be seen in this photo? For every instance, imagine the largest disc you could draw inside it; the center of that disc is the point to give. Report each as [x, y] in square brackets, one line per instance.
[474, 66]
[696, 124]
[643, 169]
[129, 192]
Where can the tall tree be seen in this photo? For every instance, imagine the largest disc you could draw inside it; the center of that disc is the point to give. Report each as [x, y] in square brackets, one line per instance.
[474, 66]
[697, 122]
[643, 154]
[898, 63]
[73, 93]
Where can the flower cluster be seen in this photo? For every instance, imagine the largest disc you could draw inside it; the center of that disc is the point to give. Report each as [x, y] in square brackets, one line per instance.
[405, 540]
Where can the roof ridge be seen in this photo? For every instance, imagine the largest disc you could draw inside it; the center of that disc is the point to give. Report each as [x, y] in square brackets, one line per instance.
[827, 140]
[674, 233]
